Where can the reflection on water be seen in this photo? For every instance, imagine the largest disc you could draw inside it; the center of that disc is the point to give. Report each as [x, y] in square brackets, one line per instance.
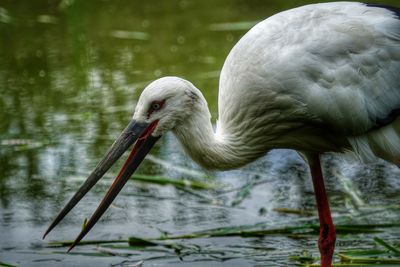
[70, 73]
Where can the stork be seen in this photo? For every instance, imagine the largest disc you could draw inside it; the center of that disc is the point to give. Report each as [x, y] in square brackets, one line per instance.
[317, 78]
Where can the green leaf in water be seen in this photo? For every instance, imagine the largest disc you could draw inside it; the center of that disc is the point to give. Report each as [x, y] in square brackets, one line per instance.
[305, 258]
[364, 252]
[243, 193]
[359, 260]
[88, 254]
[140, 242]
[386, 245]
[84, 223]
[175, 182]
[83, 242]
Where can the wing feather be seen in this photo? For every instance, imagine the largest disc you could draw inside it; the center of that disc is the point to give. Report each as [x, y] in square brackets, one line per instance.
[332, 64]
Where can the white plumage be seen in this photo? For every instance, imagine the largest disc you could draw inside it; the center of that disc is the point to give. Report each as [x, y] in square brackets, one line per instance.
[333, 67]
[317, 78]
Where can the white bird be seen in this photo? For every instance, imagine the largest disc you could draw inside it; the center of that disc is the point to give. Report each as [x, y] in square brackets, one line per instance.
[316, 79]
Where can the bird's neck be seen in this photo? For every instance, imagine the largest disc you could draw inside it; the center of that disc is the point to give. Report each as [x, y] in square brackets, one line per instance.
[210, 149]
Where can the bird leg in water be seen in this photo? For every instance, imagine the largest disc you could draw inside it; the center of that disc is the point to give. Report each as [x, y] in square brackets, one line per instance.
[327, 234]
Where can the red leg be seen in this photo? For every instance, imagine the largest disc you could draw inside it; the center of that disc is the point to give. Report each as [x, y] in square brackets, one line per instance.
[327, 234]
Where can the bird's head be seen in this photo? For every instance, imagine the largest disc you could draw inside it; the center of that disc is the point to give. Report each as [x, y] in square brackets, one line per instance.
[162, 106]
[167, 102]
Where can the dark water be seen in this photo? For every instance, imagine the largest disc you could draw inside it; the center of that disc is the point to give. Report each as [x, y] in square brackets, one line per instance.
[70, 75]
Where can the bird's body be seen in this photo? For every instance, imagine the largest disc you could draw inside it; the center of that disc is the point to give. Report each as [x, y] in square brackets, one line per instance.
[318, 78]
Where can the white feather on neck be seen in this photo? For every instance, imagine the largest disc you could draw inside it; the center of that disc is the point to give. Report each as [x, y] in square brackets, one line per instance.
[210, 149]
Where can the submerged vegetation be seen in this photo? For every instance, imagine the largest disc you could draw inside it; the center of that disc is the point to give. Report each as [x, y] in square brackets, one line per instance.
[352, 223]
[382, 253]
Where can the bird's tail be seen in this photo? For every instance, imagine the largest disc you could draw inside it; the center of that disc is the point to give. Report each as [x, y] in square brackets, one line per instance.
[382, 143]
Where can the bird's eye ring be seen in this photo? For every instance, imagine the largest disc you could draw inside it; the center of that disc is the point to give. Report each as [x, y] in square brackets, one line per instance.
[155, 106]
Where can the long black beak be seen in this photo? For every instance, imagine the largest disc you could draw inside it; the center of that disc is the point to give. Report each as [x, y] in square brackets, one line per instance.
[135, 131]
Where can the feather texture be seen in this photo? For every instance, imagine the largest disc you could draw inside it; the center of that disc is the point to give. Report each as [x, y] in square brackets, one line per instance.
[335, 65]
[317, 78]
